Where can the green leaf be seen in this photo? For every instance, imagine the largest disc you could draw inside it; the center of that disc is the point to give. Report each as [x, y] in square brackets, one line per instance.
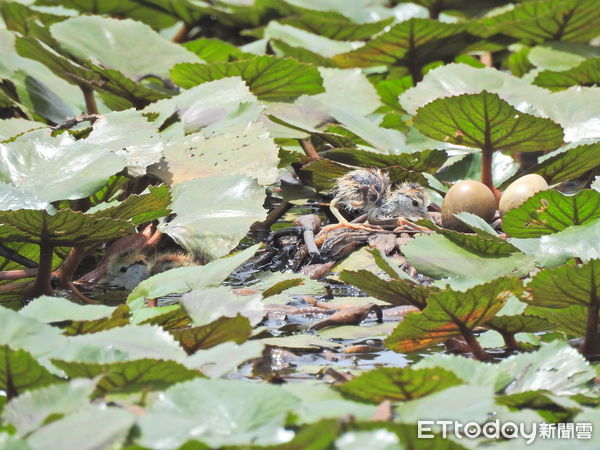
[301, 54]
[519, 324]
[237, 329]
[438, 257]
[224, 208]
[486, 121]
[224, 358]
[548, 20]
[97, 426]
[449, 312]
[281, 286]
[119, 318]
[214, 50]
[571, 320]
[140, 208]
[550, 211]
[568, 164]
[269, 78]
[31, 409]
[396, 292]
[412, 42]
[248, 413]
[129, 376]
[333, 27]
[585, 74]
[397, 384]
[390, 90]
[19, 372]
[65, 228]
[565, 286]
[170, 320]
[55, 309]
[109, 41]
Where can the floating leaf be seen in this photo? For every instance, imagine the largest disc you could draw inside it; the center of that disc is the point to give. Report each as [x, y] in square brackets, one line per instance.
[19, 372]
[397, 384]
[585, 74]
[438, 257]
[129, 376]
[565, 286]
[568, 164]
[414, 42]
[223, 358]
[55, 309]
[214, 50]
[223, 329]
[119, 318]
[396, 292]
[65, 228]
[548, 20]
[336, 27]
[224, 208]
[140, 209]
[448, 313]
[269, 78]
[92, 427]
[31, 409]
[519, 324]
[486, 121]
[248, 413]
[570, 320]
[550, 211]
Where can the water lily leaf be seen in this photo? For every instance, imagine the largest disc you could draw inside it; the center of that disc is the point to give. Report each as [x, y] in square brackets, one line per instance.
[484, 120]
[31, 162]
[553, 20]
[109, 42]
[397, 384]
[56, 309]
[556, 367]
[65, 228]
[224, 208]
[130, 135]
[585, 74]
[121, 344]
[139, 208]
[237, 329]
[438, 257]
[246, 149]
[519, 324]
[268, 77]
[335, 27]
[477, 243]
[119, 318]
[223, 358]
[300, 341]
[93, 427]
[248, 413]
[30, 410]
[550, 211]
[310, 41]
[571, 320]
[565, 286]
[396, 292]
[413, 42]
[449, 312]
[301, 54]
[206, 305]
[13, 127]
[214, 50]
[184, 279]
[568, 164]
[129, 376]
[19, 372]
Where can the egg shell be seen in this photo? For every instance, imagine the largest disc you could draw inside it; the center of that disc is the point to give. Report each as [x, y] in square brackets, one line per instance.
[520, 190]
[467, 196]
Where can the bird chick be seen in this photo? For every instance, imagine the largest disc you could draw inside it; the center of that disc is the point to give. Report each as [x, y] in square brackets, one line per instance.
[359, 190]
[409, 201]
[129, 268]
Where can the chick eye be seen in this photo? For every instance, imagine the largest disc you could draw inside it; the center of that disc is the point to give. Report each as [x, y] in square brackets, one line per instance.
[415, 203]
[123, 269]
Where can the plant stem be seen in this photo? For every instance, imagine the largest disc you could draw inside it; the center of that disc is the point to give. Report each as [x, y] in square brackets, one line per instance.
[17, 274]
[41, 285]
[17, 257]
[591, 343]
[473, 343]
[68, 267]
[309, 149]
[486, 168]
[510, 342]
[90, 101]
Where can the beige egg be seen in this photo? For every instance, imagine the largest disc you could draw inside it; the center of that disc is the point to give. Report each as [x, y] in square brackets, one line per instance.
[520, 190]
[467, 196]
